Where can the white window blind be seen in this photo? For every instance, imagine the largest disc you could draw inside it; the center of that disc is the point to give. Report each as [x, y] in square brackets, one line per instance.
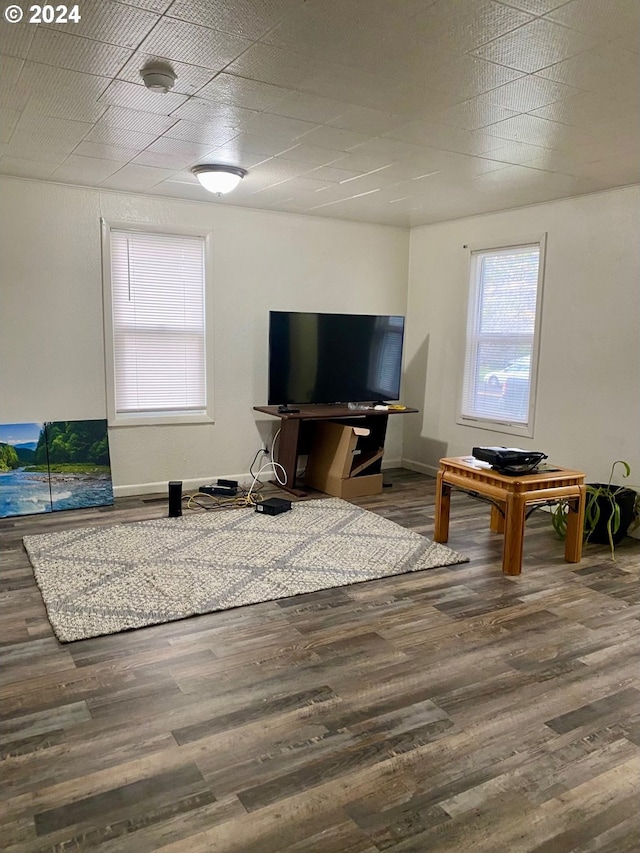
[501, 335]
[158, 306]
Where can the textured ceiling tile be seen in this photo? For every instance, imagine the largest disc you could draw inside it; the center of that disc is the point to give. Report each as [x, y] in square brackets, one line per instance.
[77, 54]
[445, 138]
[23, 168]
[246, 148]
[308, 107]
[172, 162]
[192, 44]
[515, 153]
[462, 26]
[84, 169]
[538, 131]
[190, 151]
[48, 81]
[190, 78]
[102, 151]
[76, 109]
[311, 154]
[605, 20]
[608, 71]
[365, 120]
[361, 162]
[8, 122]
[204, 133]
[629, 41]
[120, 137]
[379, 85]
[390, 150]
[535, 7]
[16, 38]
[129, 95]
[370, 35]
[535, 46]
[278, 126]
[614, 172]
[133, 177]
[114, 23]
[306, 184]
[590, 110]
[241, 92]
[280, 67]
[199, 109]
[332, 174]
[137, 121]
[469, 76]
[159, 6]
[334, 137]
[40, 147]
[55, 128]
[529, 93]
[241, 17]
[473, 114]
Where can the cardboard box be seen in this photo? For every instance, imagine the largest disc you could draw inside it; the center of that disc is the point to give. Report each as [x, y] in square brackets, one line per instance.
[336, 460]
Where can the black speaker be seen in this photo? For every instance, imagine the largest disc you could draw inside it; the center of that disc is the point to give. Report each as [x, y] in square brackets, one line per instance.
[175, 498]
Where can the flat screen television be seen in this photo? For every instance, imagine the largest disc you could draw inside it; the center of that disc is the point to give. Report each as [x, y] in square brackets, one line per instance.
[334, 358]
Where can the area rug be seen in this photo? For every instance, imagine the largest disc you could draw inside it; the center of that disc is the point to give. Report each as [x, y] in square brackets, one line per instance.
[102, 580]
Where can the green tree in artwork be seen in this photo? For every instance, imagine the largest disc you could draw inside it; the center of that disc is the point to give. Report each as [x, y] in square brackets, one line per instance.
[82, 442]
[8, 458]
[41, 457]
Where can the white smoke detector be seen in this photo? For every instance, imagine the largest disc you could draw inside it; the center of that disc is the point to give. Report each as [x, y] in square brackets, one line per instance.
[158, 77]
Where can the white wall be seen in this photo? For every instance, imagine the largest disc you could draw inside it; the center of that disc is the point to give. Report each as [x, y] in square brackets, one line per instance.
[51, 325]
[588, 401]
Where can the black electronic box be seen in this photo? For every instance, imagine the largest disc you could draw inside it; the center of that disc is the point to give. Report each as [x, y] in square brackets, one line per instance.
[273, 506]
[510, 460]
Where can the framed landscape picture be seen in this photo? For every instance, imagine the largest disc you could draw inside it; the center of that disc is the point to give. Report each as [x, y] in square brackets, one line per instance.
[24, 486]
[54, 465]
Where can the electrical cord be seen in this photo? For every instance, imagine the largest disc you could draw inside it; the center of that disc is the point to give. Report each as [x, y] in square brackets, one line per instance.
[248, 497]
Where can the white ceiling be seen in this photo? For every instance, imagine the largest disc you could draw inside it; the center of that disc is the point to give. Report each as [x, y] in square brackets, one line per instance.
[394, 111]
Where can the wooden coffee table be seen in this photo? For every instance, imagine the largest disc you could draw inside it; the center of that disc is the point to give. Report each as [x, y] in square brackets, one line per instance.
[509, 498]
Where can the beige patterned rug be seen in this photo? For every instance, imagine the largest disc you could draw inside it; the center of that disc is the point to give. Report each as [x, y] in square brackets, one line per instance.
[102, 580]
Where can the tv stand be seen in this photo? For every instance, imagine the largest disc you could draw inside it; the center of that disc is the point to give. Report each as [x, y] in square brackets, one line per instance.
[296, 431]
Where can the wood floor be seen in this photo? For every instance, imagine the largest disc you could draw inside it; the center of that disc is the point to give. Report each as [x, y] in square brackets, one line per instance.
[450, 710]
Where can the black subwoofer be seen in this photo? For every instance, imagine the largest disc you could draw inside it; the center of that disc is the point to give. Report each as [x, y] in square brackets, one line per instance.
[175, 498]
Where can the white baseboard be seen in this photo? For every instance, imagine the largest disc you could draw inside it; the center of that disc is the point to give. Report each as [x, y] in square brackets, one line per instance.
[420, 467]
[391, 463]
[187, 485]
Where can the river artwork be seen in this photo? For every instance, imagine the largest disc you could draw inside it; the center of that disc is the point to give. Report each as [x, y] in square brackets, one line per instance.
[54, 465]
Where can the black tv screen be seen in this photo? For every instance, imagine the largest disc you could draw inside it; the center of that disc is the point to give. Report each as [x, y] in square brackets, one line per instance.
[334, 358]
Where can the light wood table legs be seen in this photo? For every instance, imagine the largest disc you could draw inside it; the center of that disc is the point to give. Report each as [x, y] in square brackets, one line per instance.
[575, 524]
[497, 519]
[514, 522]
[510, 497]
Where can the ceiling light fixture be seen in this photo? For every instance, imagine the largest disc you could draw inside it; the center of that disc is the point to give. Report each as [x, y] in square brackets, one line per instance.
[219, 178]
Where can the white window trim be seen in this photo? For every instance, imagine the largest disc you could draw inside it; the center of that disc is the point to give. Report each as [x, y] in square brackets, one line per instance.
[495, 425]
[157, 419]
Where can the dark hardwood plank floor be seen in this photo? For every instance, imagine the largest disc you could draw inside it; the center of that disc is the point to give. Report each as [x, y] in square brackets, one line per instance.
[450, 710]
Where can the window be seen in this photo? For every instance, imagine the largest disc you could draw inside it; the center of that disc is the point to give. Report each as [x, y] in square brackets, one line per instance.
[155, 308]
[502, 338]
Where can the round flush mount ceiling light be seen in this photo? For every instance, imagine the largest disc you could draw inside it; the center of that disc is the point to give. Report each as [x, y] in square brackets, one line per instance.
[158, 77]
[219, 178]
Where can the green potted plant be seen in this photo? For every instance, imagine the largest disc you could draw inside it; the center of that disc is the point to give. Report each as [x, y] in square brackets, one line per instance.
[610, 511]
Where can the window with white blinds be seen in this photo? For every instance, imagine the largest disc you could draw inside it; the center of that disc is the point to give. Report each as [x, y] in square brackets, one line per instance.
[158, 312]
[502, 338]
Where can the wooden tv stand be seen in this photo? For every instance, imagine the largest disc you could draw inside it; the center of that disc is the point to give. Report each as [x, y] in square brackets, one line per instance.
[296, 431]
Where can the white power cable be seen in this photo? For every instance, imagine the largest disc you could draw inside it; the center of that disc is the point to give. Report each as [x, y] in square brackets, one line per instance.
[274, 466]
